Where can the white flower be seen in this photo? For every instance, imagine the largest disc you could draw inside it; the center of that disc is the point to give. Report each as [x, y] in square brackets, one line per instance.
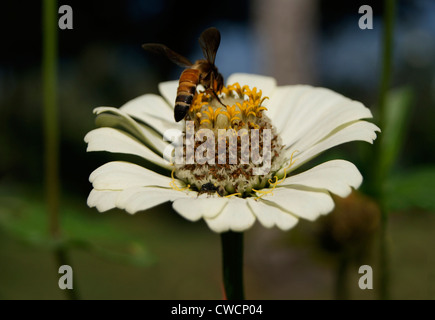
[308, 121]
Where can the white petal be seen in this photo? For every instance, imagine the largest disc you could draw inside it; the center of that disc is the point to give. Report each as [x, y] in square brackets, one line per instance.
[266, 84]
[148, 135]
[204, 206]
[103, 200]
[270, 215]
[303, 203]
[113, 140]
[358, 131]
[321, 128]
[119, 175]
[304, 115]
[152, 110]
[143, 198]
[236, 216]
[283, 102]
[336, 176]
[168, 90]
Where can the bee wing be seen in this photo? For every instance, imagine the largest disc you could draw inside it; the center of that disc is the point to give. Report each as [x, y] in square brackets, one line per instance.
[209, 42]
[163, 50]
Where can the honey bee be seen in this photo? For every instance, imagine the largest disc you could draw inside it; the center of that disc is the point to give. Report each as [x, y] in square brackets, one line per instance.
[202, 72]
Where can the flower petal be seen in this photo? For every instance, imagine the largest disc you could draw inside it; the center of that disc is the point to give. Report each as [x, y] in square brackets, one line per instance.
[153, 111]
[357, 131]
[336, 176]
[282, 103]
[119, 119]
[168, 90]
[205, 206]
[236, 216]
[304, 203]
[143, 198]
[103, 200]
[304, 115]
[270, 215]
[119, 175]
[117, 141]
[266, 84]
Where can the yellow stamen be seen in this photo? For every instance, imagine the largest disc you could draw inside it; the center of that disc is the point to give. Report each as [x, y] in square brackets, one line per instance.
[173, 185]
[200, 100]
[212, 114]
[232, 195]
[261, 109]
[241, 91]
[205, 120]
[277, 182]
[231, 114]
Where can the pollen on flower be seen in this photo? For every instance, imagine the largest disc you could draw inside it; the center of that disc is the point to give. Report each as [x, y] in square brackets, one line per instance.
[238, 112]
[241, 107]
[273, 184]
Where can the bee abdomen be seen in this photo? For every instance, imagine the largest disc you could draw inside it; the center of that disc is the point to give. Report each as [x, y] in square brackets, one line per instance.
[190, 76]
[186, 90]
[184, 98]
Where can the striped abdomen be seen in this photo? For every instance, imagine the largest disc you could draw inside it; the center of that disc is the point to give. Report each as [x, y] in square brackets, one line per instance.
[186, 90]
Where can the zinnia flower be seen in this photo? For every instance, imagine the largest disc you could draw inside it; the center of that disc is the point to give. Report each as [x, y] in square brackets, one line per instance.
[303, 121]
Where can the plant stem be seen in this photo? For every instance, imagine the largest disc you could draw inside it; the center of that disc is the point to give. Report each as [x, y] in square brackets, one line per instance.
[387, 61]
[62, 258]
[387, 57]
[51, 130]
[232, 265]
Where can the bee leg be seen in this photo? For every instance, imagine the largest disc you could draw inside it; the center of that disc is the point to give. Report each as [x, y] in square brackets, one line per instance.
[218, 99]
[212, 92]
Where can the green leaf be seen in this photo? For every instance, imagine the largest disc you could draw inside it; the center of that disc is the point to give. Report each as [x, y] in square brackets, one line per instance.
[396, 115]
[25, 218]
[415, 189]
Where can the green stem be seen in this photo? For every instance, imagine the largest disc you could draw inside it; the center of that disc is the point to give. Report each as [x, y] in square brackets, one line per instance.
[232, 265]
[380, 176]
[61, 259]
[387, 57]
[51, 130]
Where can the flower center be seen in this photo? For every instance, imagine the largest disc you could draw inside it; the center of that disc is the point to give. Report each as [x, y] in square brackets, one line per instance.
[246, 152]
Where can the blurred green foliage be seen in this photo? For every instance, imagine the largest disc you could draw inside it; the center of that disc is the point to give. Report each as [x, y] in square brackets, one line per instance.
[397, 110]
[404, 189]
[25, 218]
[412, 189]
